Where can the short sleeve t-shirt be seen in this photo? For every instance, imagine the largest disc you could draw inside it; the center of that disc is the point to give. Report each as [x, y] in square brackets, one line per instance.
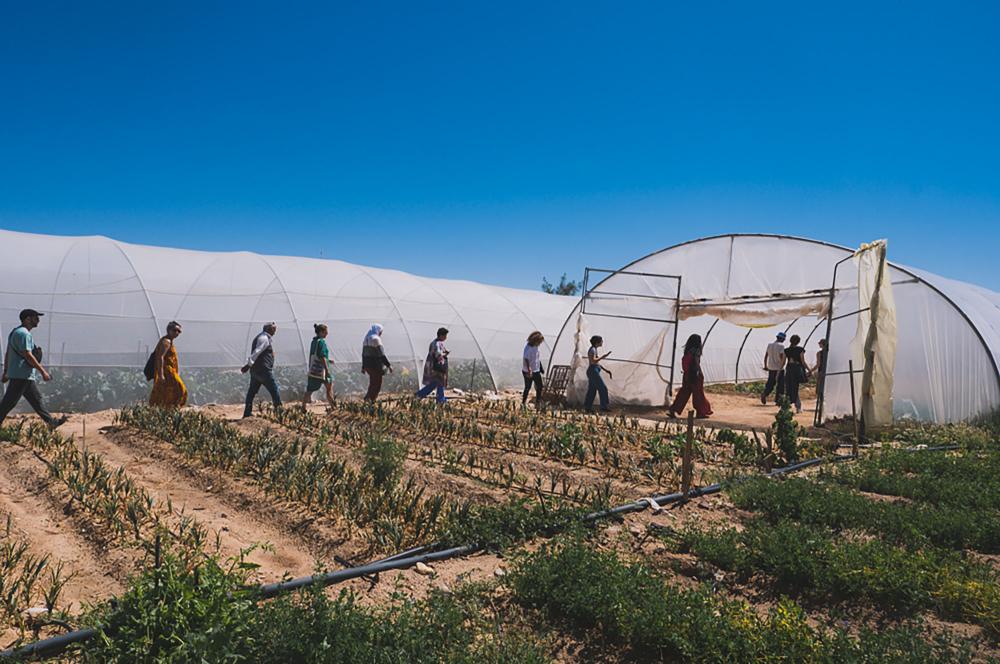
[532, 359]
[20, 345]
[774, 356]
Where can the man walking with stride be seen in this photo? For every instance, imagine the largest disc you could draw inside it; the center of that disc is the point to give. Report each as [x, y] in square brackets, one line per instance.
[21, 367]
[774, 365]
[260, 364]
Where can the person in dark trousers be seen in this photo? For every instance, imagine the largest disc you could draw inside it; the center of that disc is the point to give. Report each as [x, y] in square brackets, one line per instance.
[21, 368]
[774, 365]
[595, 384]
[436, 368]
[796, 371]
[374, 362]
[260, 364]
[820, 368]
[693, 384]
[531, 368]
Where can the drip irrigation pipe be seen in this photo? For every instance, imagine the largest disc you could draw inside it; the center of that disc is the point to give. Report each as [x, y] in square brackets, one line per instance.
[58, 644]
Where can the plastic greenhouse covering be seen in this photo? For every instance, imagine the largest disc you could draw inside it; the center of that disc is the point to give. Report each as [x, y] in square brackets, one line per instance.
[939, 338]
[107, 303]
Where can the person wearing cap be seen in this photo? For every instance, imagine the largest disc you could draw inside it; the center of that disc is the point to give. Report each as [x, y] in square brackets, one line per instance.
[436, 368]
[21, 369]
[774, 365]
[260, 364]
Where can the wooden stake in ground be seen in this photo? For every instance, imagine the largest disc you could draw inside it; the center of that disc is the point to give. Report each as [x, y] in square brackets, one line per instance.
[687, 467]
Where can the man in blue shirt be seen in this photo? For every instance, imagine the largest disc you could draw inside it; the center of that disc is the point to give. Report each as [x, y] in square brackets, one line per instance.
[21, 369]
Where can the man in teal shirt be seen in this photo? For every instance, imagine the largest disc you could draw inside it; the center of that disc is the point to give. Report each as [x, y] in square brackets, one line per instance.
[21, 370]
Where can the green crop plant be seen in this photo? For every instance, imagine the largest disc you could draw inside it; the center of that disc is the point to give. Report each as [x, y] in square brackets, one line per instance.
[126, 512]
[630, 605]
[824, 566]
[786, 433]
[26, 579]
[836, 507]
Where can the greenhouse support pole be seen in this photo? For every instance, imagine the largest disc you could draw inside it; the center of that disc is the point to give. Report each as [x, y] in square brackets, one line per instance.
[677, 323]
[818, 420]
[739, 354]
[686, 469]
[854, 408]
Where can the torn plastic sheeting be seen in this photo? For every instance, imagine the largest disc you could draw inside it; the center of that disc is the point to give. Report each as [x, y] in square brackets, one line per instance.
[759, 314]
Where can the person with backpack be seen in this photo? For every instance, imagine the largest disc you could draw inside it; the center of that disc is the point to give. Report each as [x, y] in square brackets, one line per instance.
[320, 366]
[796, 372]
[169, 390]
[21, 368]
[260, 365]
[436, 368]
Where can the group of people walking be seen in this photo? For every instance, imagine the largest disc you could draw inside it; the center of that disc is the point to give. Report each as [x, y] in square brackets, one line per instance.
[786, 367]
[260, 366]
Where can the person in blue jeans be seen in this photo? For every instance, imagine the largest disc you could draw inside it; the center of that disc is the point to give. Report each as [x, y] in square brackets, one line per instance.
[595, 384]
[436, 368]
[260, 364]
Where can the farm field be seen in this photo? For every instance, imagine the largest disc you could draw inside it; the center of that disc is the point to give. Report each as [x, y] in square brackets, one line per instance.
[180, 516]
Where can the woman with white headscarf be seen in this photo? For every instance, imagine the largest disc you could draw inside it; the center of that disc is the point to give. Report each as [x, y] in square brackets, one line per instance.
[374, 362]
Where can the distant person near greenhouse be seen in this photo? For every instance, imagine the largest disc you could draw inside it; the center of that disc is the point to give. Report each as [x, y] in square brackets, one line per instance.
[531, 368]
[774, 365]
[374, 362]
[595, 384]
[169, 390]
[436, 368]
[320, 371]
[260, 364]
[22, 366]
[693, 384]
[796, 371]
[820, 368]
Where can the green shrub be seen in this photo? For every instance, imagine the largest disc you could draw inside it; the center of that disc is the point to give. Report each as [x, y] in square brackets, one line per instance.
[384, 458]
[836, 507]
[811, 561]
[786, 433]
[631, 605]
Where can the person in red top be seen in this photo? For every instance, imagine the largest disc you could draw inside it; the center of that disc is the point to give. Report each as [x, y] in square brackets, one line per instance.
[694, 382]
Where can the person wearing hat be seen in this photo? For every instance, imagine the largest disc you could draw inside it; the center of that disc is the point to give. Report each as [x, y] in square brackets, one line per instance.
[21, 368]
[260, 364]
[774, 365]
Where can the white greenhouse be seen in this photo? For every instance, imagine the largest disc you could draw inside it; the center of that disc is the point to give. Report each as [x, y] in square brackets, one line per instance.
[935, 357]
[107, 303]
[923, 346]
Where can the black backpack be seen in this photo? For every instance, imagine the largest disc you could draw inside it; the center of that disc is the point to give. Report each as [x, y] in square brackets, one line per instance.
[149, 371]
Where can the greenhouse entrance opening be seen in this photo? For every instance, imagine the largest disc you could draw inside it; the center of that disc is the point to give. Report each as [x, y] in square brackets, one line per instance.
[648, 304]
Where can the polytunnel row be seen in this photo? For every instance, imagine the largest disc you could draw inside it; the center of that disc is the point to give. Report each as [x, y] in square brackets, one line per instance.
[107, 303]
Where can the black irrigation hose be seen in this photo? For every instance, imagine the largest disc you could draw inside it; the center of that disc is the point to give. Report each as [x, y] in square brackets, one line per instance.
[58, 644]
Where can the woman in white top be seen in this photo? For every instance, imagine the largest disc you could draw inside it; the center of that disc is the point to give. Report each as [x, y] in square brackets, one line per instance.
[531, 368]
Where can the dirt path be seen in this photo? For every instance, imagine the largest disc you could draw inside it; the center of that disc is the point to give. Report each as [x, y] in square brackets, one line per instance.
[44, 516]
[209, 498]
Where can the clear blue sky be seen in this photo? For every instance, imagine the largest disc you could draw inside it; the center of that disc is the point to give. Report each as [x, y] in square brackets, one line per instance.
[505, 141]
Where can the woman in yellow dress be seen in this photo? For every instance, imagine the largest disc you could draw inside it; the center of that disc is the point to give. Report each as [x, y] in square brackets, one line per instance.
[168, 388]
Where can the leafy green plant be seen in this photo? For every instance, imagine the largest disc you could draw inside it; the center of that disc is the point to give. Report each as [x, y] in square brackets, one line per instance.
[630, 604]
[786, 432]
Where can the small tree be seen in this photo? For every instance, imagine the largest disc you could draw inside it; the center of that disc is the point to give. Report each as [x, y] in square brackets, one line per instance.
[562, 288]
[786, 432]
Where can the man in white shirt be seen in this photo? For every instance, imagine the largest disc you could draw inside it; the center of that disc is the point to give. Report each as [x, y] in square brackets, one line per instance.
[260, 364]
[774, 365]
